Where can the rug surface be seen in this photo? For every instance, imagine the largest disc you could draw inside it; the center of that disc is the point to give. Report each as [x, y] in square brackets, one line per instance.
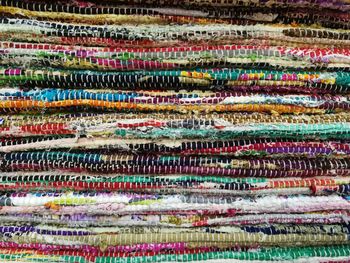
[146, 131]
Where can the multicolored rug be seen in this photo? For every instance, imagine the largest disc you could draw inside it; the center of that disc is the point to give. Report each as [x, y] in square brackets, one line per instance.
[148, 131]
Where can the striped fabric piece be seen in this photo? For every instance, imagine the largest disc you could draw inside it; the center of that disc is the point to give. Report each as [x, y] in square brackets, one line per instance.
[144, 131]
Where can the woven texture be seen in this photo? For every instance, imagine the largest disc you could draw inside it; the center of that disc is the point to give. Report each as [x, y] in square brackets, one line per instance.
[146, 131]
